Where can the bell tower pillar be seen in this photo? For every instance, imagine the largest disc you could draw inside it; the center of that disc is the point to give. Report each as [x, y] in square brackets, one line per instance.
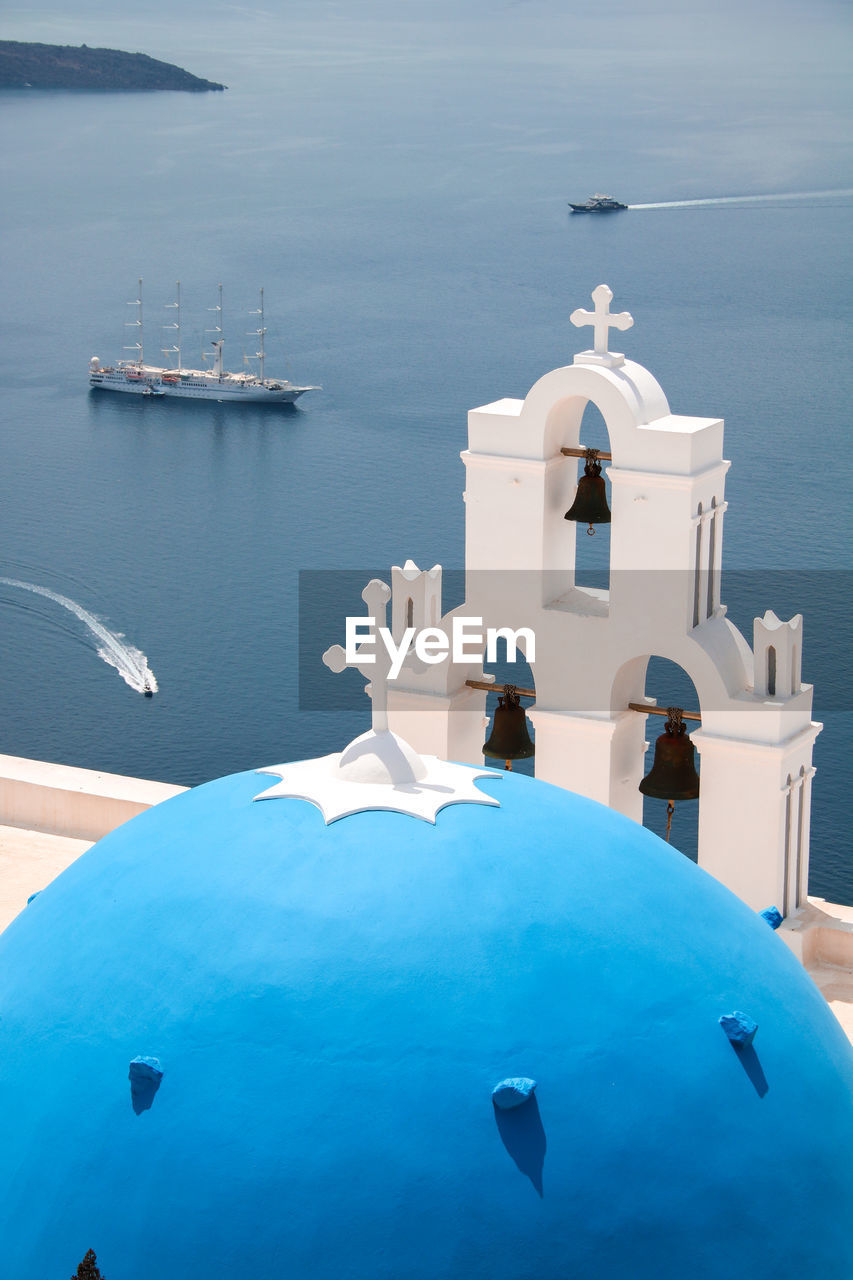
[597, 757]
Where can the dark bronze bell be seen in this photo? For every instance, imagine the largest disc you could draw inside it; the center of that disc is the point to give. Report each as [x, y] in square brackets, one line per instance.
[509, 739]
[673, 775]
[590, 504]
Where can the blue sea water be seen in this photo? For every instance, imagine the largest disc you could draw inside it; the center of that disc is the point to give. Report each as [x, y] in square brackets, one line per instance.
[397, 180]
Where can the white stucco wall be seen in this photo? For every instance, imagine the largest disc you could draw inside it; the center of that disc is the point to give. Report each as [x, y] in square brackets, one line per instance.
[83, 804]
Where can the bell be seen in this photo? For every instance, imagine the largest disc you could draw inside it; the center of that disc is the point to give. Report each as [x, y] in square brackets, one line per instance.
[673, 775]
[509, 739]
[590, 504]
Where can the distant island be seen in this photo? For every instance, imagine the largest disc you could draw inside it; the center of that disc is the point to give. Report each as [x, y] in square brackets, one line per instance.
[65, 66]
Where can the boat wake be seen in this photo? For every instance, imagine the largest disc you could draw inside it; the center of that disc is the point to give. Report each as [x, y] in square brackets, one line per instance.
[787, 195]
[130, 662]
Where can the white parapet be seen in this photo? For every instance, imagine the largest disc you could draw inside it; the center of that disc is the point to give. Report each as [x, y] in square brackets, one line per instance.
[81, 803]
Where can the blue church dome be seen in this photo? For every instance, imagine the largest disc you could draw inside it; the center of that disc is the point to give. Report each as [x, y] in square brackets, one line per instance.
[318, 1017]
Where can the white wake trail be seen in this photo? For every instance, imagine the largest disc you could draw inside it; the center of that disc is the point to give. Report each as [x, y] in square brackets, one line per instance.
[787, 195]
[130, 662]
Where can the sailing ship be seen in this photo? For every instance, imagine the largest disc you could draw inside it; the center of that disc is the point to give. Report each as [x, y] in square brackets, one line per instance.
[216, 383]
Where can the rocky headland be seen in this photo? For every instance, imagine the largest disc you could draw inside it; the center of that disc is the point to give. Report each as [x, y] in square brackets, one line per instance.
[64, 66]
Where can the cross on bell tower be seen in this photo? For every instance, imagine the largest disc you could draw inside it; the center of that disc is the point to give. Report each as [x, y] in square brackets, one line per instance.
[602, 321]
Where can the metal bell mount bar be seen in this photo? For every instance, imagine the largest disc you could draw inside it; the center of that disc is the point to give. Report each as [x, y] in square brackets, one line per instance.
[650, 710]
[662, 711]
[500, 688]
[582, 451]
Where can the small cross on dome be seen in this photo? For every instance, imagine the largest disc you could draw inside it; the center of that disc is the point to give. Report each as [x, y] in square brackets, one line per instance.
[376, 664]
[602, 321]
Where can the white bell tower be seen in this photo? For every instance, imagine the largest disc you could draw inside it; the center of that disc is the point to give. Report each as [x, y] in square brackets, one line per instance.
[667, 476]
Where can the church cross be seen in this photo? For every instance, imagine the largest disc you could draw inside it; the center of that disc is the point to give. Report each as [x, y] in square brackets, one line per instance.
[376, 662]
[601, 318]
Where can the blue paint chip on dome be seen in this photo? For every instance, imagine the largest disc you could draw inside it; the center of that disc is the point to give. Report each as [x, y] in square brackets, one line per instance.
[513, 1093]
[739, 1027]
[145, 1075]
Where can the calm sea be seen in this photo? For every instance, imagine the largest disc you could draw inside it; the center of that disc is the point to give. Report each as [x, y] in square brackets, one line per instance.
[397, 182]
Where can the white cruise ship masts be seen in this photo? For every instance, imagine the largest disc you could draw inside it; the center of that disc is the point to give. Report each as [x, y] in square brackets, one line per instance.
[259, 334]
[137, 323]
[175, 306]
[218, 341]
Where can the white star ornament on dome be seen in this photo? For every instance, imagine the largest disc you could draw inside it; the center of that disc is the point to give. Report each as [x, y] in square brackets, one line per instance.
[379, 771]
